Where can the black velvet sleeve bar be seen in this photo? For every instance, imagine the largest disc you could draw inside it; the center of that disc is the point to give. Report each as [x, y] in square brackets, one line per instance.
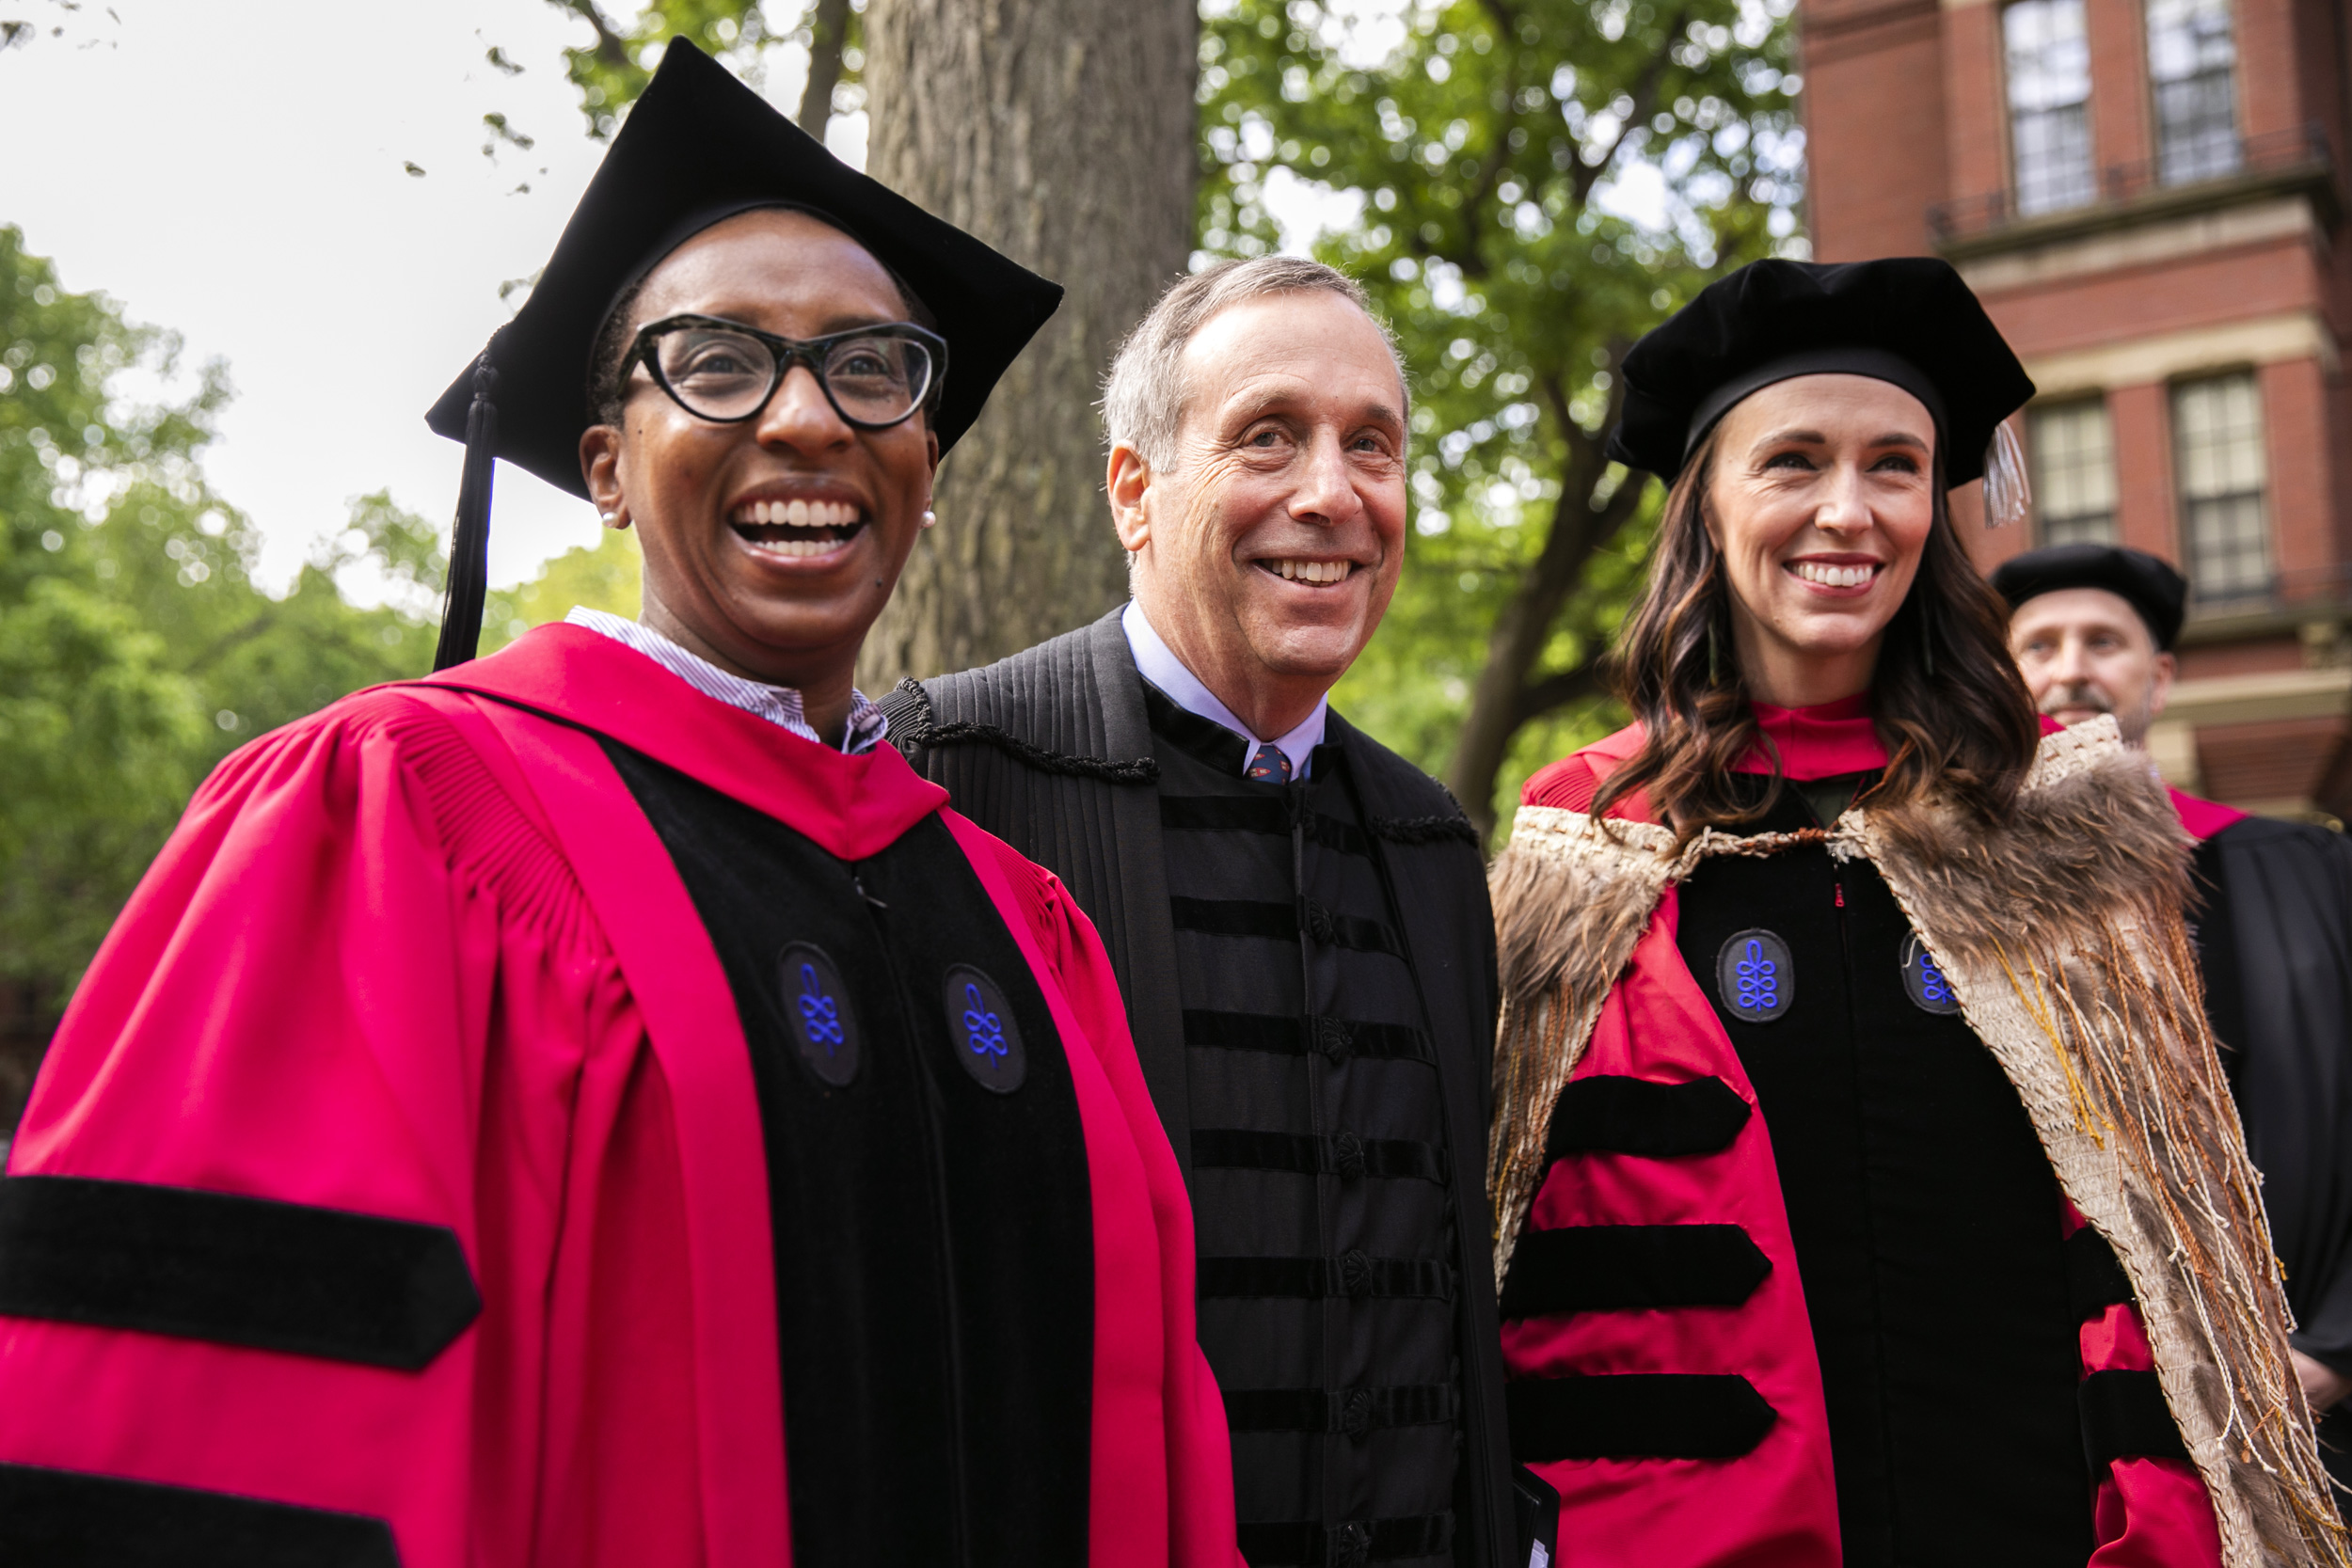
[1615, 1268]
[65, 1519]
[2094, 1278]
[234, 1271]
[2125, 1416]
[1612, 1114]
[1636, 1416]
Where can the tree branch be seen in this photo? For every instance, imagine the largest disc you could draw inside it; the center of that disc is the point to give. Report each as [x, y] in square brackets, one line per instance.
[1473, 260]
[1645, 95]
[610, 49]
[1557, 690]
[828, 30]
[1498, 702]
[223, 646]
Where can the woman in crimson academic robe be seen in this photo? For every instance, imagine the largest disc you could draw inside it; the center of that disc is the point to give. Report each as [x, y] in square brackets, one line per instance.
[1865, 1188]
[598, 1105]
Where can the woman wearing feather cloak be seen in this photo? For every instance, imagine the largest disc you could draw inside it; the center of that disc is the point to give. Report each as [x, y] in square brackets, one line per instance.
[1865, 1187]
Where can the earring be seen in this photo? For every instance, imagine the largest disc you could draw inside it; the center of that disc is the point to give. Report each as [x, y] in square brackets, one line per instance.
[608, 518]
[929, 518]
[1714, 670]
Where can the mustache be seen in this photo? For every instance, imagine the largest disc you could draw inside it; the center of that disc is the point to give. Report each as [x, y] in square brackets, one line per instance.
[2082, 694]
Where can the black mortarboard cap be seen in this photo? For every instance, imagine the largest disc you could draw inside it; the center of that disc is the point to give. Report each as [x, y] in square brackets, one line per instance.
[699, 147]
[2148, 583]
[1906, 320]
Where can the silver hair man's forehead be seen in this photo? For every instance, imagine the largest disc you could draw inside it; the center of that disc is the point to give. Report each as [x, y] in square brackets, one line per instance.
[1143, 397]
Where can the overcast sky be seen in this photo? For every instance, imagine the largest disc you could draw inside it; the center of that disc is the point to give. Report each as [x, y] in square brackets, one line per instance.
[235, 170]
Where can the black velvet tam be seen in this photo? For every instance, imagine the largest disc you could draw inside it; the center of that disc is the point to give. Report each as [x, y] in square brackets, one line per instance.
[1906, 320]
[2146, 582]
[699, 147]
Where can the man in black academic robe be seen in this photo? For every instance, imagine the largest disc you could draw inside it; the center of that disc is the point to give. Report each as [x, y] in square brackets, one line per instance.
[2093, 628]
[1298, 917]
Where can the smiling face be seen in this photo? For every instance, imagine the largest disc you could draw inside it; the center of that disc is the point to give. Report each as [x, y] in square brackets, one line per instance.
[1266, 552]
[1821, 501]
[771, 544]
[2084, 652]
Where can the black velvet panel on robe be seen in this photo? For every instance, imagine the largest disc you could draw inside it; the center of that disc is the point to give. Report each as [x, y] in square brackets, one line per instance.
[1926, 1223]
[933, 1233]
[2273, 937]
[1321, 1203]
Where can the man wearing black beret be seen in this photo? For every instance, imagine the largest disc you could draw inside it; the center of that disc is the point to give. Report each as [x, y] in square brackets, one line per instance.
[2093, 628]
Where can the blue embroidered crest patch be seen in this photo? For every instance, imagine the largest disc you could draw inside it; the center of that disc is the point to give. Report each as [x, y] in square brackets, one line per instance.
[1923, 977]
[1754, 976]
[980, 1023]
[818, 1004]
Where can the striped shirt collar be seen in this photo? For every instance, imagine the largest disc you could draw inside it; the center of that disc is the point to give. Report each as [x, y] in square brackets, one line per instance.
[778, 704]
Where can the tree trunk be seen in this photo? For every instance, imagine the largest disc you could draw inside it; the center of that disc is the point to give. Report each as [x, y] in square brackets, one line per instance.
[1061, 132]
[1509, 694]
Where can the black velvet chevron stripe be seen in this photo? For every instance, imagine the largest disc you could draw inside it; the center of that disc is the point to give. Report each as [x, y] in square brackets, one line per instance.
[1247, 917]
[1312, 1546]
[1612, 1114]
[1351, 1411]
[1251, 814]
[1635, 1416]
[2095, 1280]
[2125, 1416]
[1345, 1155]
[1352, 1275]
[1608, 1268]
[1235, 917]
[64, 1519]
[234, 1271]
[1290, 1035]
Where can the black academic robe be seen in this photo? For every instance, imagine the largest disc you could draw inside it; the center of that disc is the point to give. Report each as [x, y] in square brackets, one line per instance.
[2275, 939]
[1052, 749]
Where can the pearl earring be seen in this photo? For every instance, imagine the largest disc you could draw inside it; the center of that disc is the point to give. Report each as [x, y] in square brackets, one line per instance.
[608, 518]
[929, 518]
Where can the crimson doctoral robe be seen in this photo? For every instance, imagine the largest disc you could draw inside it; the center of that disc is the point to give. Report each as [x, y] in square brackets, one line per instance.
[518, 1111]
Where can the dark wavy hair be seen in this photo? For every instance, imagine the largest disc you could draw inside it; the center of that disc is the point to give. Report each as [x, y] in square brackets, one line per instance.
[1948, 700]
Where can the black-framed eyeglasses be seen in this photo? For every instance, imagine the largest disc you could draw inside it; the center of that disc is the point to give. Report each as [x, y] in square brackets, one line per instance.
[724, 371]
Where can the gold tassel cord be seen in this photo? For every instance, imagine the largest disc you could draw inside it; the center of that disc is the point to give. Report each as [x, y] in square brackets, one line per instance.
[2038, 1008]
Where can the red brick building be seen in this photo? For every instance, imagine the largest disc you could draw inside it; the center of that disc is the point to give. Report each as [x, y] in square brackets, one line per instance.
[2150, 197]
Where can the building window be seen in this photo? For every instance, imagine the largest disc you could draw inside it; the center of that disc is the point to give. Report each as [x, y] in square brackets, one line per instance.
[2192, 59]
[2073, 473]
[2225, 516]
[2049, 96]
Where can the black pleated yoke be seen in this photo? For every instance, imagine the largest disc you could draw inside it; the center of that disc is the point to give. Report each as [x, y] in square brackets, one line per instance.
[929, 1184]
[1320, 1196]
[1926, 1218]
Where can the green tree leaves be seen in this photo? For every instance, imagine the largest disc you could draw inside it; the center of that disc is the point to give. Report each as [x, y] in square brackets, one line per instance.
[135, 651]
[613, 68]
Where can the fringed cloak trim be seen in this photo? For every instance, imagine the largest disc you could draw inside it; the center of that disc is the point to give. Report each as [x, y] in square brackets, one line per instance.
[2060, 932]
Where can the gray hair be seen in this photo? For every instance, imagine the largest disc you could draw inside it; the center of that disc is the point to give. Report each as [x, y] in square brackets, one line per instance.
[1143, 397]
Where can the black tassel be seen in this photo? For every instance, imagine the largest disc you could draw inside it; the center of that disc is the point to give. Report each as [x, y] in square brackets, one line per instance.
[470, 546]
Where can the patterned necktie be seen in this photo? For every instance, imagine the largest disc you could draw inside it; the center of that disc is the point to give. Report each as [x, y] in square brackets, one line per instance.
[1270, 766]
